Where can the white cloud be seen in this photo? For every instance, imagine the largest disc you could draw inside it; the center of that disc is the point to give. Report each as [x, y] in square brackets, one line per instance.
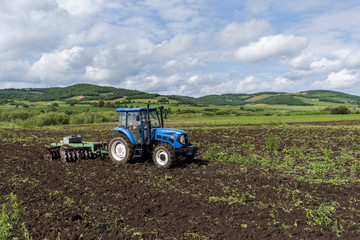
[178, 44]
[250, 84]
[339, 80]
[257, 6]
[325, 64]
[271, 46]
[302, 61]
[13, 70]
[80, 7]
[282, 84]
[182, 65]
[55, 65]
[190, 47]
[28, 27]
[236, 34]
[96, 74]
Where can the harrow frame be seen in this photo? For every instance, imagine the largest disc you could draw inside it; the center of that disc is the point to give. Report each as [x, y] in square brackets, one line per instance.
[69, 152]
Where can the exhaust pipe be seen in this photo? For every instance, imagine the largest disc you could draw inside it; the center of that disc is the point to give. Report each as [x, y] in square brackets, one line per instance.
[161, 116]
[149, 124]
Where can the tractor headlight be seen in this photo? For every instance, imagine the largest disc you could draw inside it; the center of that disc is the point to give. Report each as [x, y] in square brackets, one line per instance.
[182, 140]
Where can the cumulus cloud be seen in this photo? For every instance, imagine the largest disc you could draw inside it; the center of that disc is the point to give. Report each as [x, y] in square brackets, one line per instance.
[188, 47]
[236, 34]
[178, 44]
[80, 7]
[339, 80]
[271, 46]
[55, 65]
[282, 84]
[251, 83]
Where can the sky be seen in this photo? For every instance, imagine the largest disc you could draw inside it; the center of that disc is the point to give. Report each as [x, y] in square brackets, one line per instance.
[182, 47]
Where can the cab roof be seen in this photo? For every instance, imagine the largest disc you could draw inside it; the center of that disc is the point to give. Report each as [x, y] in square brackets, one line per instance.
[133, 109]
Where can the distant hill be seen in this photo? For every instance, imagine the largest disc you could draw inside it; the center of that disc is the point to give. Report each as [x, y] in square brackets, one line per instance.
[306, 98]
[87, 92]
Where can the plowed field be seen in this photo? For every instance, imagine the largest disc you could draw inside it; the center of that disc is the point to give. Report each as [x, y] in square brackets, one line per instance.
[304, 185]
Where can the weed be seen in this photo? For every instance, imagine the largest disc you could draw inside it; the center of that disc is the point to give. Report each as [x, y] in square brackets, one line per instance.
[26, 231]
[196, 236]
[211, 153]
[69, 202]
[272, 143]
[244, 225]
[324, 215]
[9, 219]
[244, 197]
[329, 154]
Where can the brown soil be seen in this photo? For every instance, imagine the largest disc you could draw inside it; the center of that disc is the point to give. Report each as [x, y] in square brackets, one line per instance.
[97, 199]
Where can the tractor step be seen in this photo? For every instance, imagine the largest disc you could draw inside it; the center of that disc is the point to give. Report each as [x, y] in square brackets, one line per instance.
[138, 151]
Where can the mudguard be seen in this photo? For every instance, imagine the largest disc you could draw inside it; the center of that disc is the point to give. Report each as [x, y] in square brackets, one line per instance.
[126, 132]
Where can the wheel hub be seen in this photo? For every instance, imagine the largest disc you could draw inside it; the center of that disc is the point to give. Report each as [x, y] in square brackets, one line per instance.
[120, 150]
[162, 157]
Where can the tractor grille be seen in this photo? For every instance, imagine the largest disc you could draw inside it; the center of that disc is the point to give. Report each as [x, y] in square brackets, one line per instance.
[186, 139]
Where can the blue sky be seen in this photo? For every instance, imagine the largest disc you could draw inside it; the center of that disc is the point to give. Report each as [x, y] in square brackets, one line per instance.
[183, 47]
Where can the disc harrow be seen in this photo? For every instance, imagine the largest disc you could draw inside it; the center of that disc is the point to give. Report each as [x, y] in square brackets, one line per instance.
[69, 154]
[73, 151]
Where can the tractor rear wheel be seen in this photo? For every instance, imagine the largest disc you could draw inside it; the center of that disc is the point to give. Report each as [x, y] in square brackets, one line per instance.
[121, 150]
[163, 155]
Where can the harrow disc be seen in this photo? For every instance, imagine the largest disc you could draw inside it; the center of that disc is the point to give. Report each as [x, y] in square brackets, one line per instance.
[48, 156]
[52, 153]
[64, 153]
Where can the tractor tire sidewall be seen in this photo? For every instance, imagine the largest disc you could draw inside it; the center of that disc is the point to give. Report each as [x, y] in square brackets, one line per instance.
[181, 157]
[165, 151]
[125, 145]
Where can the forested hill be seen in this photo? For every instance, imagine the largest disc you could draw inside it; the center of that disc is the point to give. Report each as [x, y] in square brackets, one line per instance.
[88, 92]
[306, 98]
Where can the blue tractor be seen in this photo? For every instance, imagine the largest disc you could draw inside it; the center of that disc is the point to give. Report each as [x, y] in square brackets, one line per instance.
[141, 131]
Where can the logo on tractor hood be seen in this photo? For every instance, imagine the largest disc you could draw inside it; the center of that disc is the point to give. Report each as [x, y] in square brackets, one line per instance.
[169, 131]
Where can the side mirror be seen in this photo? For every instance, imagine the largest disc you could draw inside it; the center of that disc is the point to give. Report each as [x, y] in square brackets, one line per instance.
[137, 118]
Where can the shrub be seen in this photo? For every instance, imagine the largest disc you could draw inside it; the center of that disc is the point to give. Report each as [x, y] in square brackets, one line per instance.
[16, 116]
[47, 119]
[208, 114]
[340, 110]
[90, 117]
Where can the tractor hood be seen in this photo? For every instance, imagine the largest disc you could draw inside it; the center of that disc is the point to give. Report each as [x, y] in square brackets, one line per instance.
[171, 136]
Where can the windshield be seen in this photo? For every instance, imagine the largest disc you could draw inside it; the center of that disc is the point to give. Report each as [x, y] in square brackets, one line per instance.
[154, 119]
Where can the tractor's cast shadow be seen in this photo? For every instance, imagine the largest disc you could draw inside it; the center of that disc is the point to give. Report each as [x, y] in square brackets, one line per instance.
[199, 162]
[177, 164]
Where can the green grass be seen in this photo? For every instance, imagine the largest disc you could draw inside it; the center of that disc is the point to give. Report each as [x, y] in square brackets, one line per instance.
[184, 114]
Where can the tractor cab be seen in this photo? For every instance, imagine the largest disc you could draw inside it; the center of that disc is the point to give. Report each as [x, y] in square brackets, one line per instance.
[142, 131]
[138, 121]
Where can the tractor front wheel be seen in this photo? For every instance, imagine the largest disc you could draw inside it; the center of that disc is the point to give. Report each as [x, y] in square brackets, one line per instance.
[121, 150]
[163, 155]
